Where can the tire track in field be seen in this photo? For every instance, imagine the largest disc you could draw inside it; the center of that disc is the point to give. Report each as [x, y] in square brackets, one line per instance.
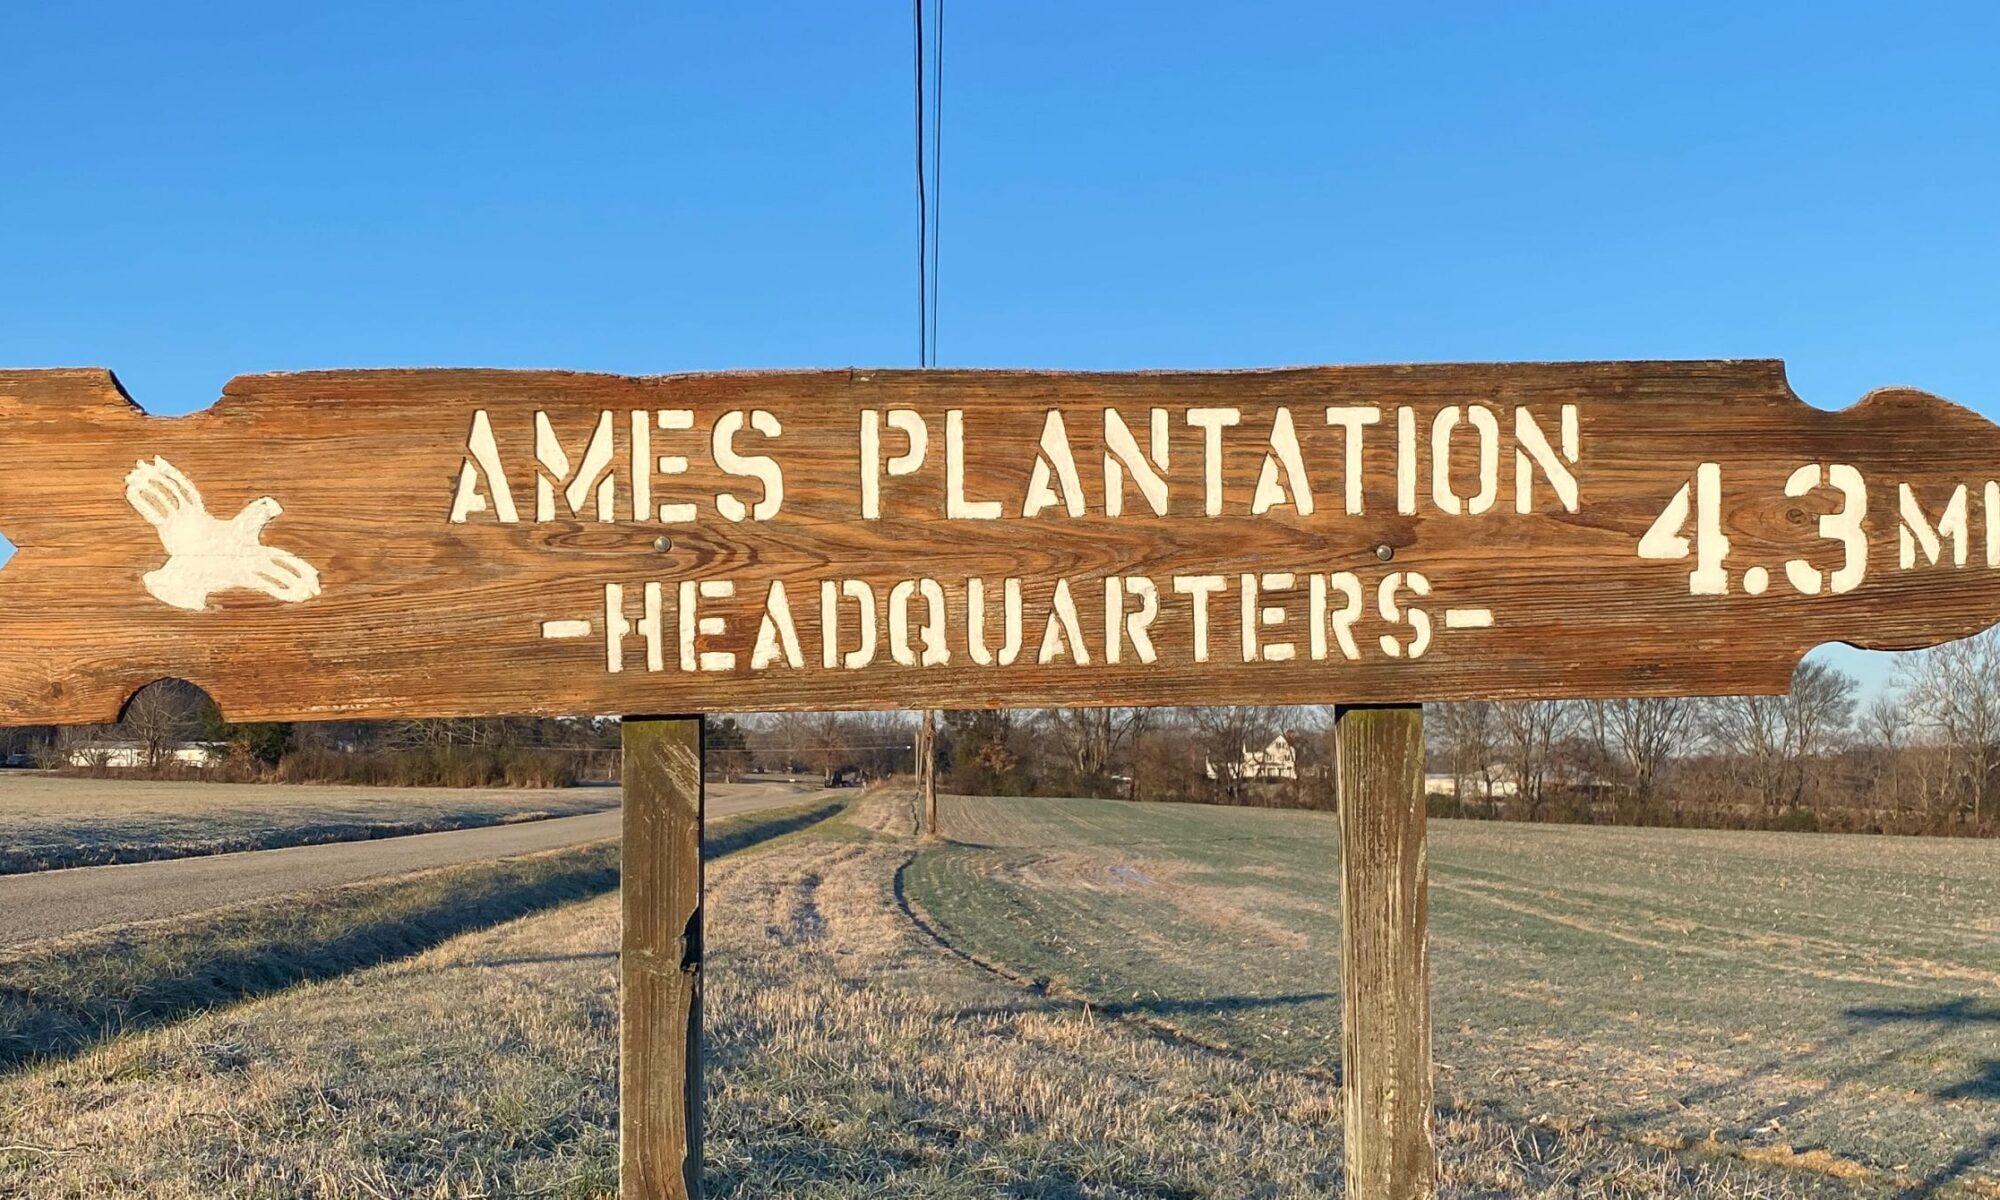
[1054, 993]
[1762, 938]
[1491, 896]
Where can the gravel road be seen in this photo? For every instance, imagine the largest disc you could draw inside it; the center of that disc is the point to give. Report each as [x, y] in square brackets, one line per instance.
[53, 903]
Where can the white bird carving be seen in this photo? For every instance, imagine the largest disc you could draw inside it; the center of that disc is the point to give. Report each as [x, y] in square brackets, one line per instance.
[205, 555]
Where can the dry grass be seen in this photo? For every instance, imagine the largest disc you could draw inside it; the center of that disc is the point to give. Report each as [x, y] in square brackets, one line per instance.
[850, 1056]
[62, 994]
[52, 822]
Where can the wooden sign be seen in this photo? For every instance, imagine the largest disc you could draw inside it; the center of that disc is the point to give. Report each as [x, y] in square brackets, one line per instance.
[366, 544]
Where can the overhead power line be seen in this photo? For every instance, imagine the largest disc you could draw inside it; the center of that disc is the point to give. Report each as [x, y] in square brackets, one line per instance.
[930, 147]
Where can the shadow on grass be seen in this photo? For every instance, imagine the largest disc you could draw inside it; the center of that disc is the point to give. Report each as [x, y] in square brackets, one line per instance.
[1983, 1084]
[874, 1171]
[1938, 1019]
[741, 833]
[526, 960]
[1876, 1039]
[60, 997]
[1158, 1006]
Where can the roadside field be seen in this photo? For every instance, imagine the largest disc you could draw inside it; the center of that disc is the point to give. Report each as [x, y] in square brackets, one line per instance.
[1827, 1003]
[59, 995]
[49, 822]
[850, 1055]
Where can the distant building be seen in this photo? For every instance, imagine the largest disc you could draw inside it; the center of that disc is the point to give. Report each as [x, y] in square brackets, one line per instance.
[128, 756]
[1497, 782]
[1278, 760]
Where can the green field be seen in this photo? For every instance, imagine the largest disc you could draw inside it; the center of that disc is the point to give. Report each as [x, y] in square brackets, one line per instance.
[1828, 1002]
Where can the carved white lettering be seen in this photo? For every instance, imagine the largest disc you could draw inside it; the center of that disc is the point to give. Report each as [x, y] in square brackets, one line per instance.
[1198, 588]
[760, 467]
[911, 423]
[593, 474]
[694, 625]
[1054, 460]
[1011, 622]
[1211, 422]
[1915, 529]
[1258, 616]
[931, 635]
[956, 506]
[482, 456]
[830, 596]
[1284, 453]
[1063, 634]
[1487, 426]
[651, 626]
[1120, 447]
[777, 636]
[1340, 621]
[674, 420]
[1406, 460]
[1120, 626]
[1352, 419]
[1532, 444]
[1416, 618]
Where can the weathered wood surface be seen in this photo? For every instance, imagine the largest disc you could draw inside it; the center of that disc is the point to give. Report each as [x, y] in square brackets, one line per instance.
[294, 549]
[659, 1043]
[1385, 959]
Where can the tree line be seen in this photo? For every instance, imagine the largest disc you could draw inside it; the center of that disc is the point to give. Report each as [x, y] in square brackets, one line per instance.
[163, 720]
[1922, 757]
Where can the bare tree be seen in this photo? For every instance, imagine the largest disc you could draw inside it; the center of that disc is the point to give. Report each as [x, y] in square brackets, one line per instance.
[1646, 734]
[1885, 729]
[1529, 731]
[1090, 741]
[827, 739]
[1952, 693]
[162, 715]
[1467, 735]
[1776, 741]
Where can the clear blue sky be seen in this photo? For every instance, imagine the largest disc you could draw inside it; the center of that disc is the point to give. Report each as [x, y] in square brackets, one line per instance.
[195, 191]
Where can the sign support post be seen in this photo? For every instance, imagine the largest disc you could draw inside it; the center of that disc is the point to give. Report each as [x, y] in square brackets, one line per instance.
[659, 1060]
[1385, 963]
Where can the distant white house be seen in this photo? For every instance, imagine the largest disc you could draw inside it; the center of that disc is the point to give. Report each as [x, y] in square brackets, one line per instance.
[1278, 760]
[126, 756]
[1443, 783]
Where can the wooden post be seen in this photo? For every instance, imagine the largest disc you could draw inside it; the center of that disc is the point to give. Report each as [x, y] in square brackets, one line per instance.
[927, 770]
[659, 1063]
[1385, 963]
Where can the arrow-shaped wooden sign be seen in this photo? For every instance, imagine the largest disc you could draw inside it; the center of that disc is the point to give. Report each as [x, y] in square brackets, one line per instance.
[454, 542]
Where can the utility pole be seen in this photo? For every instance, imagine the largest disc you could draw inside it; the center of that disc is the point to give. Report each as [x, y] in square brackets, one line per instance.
[927, 770]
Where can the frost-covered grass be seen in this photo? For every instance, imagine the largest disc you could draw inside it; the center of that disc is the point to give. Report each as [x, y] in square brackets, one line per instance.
[850, 1055]
[1828, 1003]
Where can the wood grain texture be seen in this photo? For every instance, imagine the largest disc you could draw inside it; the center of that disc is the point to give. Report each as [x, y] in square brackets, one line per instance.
[659, 1055]
[417, 614]
[1385, 958]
